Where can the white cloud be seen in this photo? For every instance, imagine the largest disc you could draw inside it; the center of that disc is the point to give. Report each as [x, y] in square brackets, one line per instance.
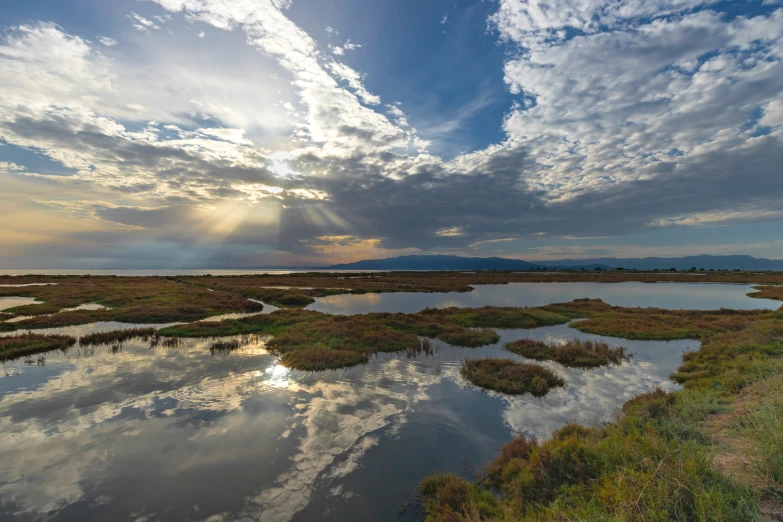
[335, 118]
[651, 101]
[611, 107]
[142, 24]
[108, 42]
[341, 49]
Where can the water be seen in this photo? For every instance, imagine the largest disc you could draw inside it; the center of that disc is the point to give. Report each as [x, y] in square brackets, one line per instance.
[179, 434]
[182, 435]
[685, 296]
[11, 302]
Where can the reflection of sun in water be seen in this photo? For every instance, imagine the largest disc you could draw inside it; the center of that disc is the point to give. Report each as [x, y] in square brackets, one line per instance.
[278, 376]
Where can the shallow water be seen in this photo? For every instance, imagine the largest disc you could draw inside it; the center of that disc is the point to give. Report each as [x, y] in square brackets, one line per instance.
[13, 301]
[179, 434]
[685, 296]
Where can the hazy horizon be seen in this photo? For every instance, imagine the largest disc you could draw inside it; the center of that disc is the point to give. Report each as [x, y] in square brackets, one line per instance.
[261, 133]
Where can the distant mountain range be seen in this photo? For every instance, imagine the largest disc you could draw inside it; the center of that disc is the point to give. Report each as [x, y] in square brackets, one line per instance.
[440, 262]
[681, 263]
[449, 263]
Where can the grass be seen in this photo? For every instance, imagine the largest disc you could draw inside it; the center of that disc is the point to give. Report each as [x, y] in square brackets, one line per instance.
[226, 346]
[17, 346]
[128, 299]
[320, 358]
[710, 452]
[317, 335]
[513, 378]
[574, 354]
[117, 336]
[653, 324]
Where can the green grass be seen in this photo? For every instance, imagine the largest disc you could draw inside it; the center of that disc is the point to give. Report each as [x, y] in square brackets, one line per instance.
[513, 378]
[272, 324]
[316, 334]
[17, 346]
[574, 354]
[320, 358]
[710, 452]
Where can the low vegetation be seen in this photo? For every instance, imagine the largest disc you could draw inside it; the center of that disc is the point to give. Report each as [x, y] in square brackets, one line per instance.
[319, 358]
[653, 324]
[128, 299]
[317, 334]
[117, 336]
[574, 354]
[709, 452]
[14, 347]
[513, 378]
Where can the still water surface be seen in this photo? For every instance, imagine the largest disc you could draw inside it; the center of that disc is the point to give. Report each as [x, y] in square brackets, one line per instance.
[673, 296]
[179, 434]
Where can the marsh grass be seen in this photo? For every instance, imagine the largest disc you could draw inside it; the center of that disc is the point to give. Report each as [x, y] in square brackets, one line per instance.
[319, 358]
[640, 468]
[573, 354]
[295, 329]
[653, 324]
[425, 348]
[226, 346]
[709, 452]
[510, 377]
[15, 347]
[117, 336]
[128, 299]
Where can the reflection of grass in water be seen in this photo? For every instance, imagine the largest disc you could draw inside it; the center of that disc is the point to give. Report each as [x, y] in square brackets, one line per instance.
[574, 354]
[709, 452]
[513, 378]
[17, 346]
[117, 336]
[226, 346]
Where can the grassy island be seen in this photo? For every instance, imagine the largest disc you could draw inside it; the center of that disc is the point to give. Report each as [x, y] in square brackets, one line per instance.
[512, 378]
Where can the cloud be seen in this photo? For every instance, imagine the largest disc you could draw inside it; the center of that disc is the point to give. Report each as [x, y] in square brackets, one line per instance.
[623, 112]
[145, 25]
[340, 50]
[108, 42]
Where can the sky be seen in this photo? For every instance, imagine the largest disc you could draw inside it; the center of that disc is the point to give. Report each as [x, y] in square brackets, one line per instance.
[250, 133]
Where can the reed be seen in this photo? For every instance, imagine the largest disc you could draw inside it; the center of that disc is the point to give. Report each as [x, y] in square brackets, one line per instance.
[15, 347]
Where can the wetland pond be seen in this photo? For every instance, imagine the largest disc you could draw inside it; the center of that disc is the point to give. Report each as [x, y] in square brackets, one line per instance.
[672, 296]
[178, 434]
